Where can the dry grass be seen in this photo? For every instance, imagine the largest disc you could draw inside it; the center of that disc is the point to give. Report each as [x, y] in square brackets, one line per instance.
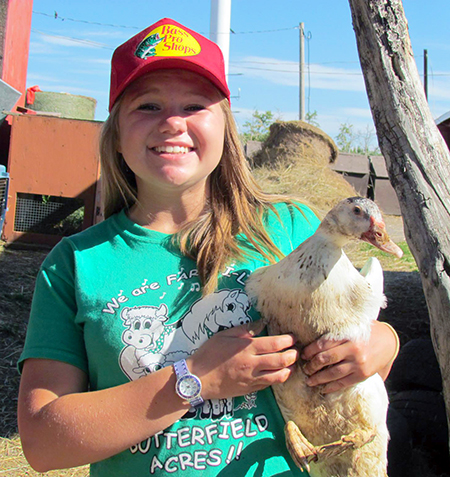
[312, 182]
[14, 464]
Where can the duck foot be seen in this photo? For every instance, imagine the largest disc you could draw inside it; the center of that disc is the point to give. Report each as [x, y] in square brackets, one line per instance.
[303, 452]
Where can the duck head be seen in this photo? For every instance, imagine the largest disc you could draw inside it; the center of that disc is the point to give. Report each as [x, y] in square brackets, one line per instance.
[360, 218]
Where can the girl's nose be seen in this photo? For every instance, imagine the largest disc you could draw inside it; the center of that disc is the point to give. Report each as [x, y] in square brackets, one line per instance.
[172, 124]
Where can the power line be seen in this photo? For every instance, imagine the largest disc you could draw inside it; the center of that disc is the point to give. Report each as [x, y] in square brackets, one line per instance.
[238, 62]
[296, 72]
[95, 44]
[59, 17]
[76, 40]
[290, 62]
[332, 73]
[56, 16]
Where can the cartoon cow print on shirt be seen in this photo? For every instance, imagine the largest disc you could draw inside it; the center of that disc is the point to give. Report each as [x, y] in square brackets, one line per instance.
[145, 325]
[150, 343]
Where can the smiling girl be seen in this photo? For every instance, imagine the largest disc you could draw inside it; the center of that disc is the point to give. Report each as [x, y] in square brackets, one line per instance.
[142, 354]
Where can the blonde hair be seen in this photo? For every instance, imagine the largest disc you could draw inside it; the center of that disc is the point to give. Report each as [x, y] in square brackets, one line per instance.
[236, 204]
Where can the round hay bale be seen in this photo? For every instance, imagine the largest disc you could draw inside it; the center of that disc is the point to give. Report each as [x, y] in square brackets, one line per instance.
[290, 141]
[294, 160]
[69, 105]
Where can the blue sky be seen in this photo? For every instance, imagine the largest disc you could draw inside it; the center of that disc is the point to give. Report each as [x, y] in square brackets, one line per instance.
[71, 53]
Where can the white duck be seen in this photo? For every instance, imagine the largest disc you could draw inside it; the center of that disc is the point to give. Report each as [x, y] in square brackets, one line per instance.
[316, 291]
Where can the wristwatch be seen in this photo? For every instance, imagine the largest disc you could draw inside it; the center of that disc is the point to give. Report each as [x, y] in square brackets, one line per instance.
[188, 385]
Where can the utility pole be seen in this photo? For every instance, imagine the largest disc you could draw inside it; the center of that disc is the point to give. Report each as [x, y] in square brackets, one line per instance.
[220, 27]
[425, 72]
[301, 111]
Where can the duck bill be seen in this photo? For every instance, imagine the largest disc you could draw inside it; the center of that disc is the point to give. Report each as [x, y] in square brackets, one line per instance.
[378, 237]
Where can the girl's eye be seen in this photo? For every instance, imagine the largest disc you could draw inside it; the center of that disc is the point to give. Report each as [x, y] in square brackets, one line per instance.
[148, 107]
[195, 107]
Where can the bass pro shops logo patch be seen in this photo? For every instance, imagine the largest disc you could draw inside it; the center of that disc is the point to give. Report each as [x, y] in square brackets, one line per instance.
[168, 40]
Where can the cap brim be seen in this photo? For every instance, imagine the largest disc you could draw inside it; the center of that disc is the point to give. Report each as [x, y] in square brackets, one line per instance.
[158, 64]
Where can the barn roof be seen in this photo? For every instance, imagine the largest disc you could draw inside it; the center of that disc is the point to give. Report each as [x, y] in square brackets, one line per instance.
[353, 163]
[444, 118]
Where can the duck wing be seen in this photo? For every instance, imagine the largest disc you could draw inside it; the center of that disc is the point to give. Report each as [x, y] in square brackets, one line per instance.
[373, 273]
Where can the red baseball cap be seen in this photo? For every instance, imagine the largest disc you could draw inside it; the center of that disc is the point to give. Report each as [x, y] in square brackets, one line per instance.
[166, 44]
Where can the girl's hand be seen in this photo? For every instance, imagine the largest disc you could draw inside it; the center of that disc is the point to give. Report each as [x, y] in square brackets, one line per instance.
[236, 362]
[338, 364]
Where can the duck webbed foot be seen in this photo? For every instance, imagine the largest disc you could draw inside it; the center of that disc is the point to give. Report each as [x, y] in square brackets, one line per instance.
[303, 452]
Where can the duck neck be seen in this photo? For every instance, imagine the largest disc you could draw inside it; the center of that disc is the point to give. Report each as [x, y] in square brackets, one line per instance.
[320, 252]
[331, 233]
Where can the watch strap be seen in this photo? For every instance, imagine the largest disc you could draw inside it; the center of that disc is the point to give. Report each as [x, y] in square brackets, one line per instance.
[181, 370]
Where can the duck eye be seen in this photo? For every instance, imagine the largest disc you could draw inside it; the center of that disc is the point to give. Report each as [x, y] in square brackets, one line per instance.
[357, 210]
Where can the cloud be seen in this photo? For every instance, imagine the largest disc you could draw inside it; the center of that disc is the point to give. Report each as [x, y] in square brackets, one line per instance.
[119, 34]
[363, 113]
[52, 83]
[287, 73]
[99, 61]
[61, 40]
[40, 48]
[339, 79]
[36, 78]
[439, 86]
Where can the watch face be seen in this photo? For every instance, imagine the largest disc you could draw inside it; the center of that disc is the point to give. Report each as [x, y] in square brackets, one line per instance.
[189, 387]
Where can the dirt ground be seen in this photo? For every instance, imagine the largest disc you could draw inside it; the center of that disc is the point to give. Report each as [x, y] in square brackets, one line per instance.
[18, 269]
[406, 311]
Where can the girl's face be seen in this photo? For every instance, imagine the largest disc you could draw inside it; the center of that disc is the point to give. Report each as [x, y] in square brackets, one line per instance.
[171, 132]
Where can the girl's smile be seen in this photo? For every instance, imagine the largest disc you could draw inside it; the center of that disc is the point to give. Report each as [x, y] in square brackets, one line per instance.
[173, 149]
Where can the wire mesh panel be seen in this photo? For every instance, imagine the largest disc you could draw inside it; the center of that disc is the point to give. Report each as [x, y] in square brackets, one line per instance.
[48, 214]
[3, 198]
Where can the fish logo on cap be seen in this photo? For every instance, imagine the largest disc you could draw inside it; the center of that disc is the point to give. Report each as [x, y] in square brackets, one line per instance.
[168, 40]
[147, 47]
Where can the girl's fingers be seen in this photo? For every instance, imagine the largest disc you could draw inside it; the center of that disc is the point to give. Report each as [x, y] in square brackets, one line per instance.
[319, 346]
[324, 359]
[272, 344]
[267, 378]
[338, 372]
[275, 361]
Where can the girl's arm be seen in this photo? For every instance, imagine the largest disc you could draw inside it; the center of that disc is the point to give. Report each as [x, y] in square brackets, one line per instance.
[339, 364]
[62, 425]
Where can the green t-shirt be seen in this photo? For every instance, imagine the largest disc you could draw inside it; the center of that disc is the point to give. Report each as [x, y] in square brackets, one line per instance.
[119, 301]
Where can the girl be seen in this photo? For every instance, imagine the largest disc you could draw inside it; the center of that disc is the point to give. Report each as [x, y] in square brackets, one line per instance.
[142, 355]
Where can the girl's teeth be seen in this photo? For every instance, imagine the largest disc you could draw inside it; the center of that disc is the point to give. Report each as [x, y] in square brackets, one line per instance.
[172, 149]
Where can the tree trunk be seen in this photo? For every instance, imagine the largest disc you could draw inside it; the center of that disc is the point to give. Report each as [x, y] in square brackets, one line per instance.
[416, 155]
